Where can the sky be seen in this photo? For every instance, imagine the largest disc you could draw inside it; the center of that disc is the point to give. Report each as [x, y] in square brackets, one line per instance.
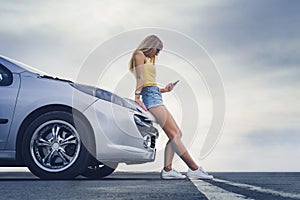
[255, 46]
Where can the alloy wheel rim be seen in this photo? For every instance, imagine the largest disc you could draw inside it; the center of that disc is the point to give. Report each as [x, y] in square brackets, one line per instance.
[55, 145]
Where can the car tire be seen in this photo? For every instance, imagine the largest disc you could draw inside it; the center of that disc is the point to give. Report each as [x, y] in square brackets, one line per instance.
[54, 145]
[97, 170]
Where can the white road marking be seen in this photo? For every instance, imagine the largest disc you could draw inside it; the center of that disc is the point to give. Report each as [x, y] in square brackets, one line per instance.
[214, 192]
[260, 189]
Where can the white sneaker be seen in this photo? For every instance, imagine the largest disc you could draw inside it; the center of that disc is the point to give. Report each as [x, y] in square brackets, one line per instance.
[173, 174]
[199, 174]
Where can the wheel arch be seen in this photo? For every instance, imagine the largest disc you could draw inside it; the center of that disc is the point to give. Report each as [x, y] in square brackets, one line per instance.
[43, 110]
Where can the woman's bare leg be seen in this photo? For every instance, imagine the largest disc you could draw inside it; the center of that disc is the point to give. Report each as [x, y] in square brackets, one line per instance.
[169, 155]
[173, 132]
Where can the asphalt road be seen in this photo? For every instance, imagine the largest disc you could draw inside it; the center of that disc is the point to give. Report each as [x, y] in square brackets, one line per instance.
[24, 185]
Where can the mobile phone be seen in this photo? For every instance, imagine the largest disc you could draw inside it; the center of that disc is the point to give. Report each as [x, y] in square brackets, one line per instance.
[176, 82]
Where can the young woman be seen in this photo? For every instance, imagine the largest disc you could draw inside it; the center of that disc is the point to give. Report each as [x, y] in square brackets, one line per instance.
[142, 65]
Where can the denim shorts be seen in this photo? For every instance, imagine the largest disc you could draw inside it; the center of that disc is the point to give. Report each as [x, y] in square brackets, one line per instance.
[151, 96]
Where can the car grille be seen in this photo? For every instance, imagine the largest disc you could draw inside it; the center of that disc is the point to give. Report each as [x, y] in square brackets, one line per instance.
[147, 130]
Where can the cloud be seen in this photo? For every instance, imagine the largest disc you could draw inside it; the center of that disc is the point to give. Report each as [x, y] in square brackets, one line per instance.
[240, 22]
[256, 36]
[255, 103]
[287, 137]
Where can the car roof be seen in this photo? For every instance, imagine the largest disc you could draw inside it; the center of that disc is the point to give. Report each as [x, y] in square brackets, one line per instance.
[18, 67]
[11, 66]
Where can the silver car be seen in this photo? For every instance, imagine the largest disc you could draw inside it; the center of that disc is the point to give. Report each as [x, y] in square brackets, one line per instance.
[60, 129]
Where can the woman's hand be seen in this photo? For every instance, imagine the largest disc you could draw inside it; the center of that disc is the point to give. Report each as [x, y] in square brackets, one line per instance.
[168, 88]
[137, 99]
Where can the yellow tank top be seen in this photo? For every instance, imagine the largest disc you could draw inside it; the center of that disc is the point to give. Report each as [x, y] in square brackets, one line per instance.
[149, 74]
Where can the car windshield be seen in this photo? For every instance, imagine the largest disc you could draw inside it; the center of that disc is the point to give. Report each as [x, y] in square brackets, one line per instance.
[27, 67]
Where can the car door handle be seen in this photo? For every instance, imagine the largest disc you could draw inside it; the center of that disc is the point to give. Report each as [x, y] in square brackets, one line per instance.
[3, 121]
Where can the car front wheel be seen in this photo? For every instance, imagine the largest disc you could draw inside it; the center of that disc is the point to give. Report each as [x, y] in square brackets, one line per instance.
[53, 146]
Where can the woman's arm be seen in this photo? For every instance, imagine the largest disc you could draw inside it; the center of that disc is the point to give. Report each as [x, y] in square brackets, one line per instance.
[139, 63]
[168, 88]
[163, 90]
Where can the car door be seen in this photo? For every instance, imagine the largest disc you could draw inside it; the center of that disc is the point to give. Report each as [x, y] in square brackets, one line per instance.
[9, 88]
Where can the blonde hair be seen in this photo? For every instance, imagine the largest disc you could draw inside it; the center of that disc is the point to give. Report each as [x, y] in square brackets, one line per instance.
[146, 46]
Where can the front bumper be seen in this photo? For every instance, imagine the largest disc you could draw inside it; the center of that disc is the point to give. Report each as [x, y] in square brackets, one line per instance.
[122, 135]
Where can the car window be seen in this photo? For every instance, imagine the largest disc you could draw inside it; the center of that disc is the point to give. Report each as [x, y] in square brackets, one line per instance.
[5, 76]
